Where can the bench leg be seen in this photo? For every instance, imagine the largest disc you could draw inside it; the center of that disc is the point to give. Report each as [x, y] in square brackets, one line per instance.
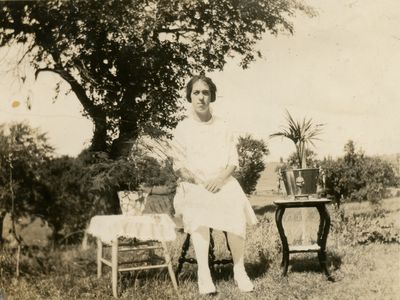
[99, 257]
[114, 267]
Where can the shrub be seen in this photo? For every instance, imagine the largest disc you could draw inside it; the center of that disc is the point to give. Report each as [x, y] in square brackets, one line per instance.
[364, 228]
[251, 162]
[23, 152]
[88, 185]
[357, 177]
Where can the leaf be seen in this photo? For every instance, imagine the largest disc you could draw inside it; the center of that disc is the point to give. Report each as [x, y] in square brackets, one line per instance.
[301, 133]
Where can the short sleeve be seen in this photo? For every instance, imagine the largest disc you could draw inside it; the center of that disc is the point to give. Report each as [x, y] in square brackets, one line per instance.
[233, 157]
[178, 148]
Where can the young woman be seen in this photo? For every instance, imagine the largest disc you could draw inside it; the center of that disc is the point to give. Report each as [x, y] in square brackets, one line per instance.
[207, 195]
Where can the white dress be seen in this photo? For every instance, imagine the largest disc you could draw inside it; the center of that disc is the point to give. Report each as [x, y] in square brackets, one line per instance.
[205, 149]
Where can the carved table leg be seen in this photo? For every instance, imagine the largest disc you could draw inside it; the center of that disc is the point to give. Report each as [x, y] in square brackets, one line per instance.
[325, 223]
[285, 246]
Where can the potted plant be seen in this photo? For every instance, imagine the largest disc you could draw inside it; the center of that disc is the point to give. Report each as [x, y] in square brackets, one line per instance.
[300, 180]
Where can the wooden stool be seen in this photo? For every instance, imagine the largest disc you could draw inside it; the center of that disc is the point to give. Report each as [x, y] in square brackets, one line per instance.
[118, 247]
[212, 262]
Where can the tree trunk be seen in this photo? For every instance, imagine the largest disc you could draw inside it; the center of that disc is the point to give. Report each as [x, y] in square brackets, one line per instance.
[99, 139]
[128, 134]
[2, 215]
[121, 146]
[128, 126]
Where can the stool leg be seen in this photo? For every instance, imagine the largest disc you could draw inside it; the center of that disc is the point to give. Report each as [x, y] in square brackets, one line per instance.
[211, 255]
[169, 262]
[99, 257]
[182, 258]
[114, 267]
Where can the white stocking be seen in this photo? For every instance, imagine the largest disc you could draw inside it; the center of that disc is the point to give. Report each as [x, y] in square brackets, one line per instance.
[236, 243]
[201, 241]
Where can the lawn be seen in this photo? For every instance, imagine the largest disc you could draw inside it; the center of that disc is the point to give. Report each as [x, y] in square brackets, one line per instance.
[363, 251]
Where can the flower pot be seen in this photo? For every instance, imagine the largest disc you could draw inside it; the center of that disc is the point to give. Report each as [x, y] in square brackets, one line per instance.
[300, 182]
[132, 203]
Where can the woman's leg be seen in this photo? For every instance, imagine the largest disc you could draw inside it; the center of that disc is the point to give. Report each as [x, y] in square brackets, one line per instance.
[236, 243]
[201, 241]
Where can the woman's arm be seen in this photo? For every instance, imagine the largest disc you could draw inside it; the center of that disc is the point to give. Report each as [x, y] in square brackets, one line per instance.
[188, 176]
[215, 184]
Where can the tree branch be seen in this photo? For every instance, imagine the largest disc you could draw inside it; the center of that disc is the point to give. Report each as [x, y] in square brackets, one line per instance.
[177, 30]
[26, 52]
[79, 91]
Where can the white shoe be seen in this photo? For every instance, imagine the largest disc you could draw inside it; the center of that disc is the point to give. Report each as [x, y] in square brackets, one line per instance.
[206, 285]
[242, 280]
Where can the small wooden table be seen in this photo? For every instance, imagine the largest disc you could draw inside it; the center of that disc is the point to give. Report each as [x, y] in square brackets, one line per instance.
[148, 232]
[324, 224]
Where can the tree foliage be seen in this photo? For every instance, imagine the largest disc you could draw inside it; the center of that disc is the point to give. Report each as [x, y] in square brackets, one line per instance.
[251, 162]
[126, 60]
[23, 150]
[356, 176]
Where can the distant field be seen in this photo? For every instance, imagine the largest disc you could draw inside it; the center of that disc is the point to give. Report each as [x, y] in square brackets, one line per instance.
[269, 179]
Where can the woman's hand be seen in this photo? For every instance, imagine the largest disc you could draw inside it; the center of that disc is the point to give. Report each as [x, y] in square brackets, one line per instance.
[214, 185]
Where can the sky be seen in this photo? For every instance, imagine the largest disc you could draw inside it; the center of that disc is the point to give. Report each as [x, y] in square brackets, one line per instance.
[339, 68]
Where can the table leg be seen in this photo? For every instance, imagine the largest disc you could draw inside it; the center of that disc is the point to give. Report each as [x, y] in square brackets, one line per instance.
[169, 262]
[114, 267]
[325, 223]
[99, 257]
[285, 246]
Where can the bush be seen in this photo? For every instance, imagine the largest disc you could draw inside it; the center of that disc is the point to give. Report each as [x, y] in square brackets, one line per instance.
[251, 162]
[364, 228]
[357, 177]
[88, 185]
[23, 152]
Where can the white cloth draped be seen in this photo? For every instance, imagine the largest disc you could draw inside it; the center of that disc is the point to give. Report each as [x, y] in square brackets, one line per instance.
[158, 227]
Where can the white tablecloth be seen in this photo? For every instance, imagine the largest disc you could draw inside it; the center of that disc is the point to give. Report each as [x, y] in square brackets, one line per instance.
[146, 227]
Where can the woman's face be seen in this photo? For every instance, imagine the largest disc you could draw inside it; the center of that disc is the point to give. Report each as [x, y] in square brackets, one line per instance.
[201, 97]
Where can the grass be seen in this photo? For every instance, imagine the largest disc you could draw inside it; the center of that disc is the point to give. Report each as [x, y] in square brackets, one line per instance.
[362, 270]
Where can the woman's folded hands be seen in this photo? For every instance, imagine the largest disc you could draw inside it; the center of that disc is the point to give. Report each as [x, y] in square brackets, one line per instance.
[214, 185]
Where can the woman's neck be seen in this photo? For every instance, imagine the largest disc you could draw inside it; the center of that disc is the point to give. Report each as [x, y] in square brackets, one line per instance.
[202, 117]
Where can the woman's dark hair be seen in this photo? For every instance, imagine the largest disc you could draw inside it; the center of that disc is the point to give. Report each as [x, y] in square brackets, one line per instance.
[210, 83]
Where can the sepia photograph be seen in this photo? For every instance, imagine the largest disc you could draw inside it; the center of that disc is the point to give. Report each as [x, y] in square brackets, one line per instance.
[199, 149]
